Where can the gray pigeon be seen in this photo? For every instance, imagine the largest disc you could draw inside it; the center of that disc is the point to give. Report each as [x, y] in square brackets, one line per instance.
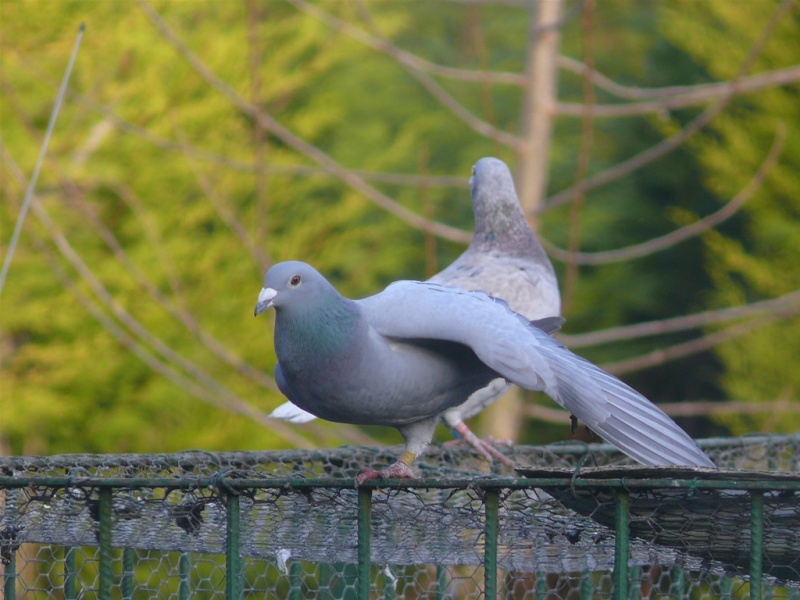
[505, 260]
[403, 357]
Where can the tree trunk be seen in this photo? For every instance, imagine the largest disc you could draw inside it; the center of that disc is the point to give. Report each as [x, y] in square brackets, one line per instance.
[505, 418]
[538, 105]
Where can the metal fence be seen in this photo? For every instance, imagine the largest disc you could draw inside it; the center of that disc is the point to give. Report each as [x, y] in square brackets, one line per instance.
[582, 523]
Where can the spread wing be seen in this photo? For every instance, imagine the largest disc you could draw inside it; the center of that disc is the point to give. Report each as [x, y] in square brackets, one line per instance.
[527, 356]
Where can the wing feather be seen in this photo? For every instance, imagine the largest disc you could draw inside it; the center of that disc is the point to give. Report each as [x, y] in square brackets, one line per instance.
[525, 355]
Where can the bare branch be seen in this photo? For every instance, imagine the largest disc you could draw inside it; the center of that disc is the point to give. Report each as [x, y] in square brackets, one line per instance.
[210, 390]
[154, 237]
[186, 319]
[664, 355]
[231, 220]
[678, 409]
[229, 404]
[682, 234]
[433, 88]
[690, 94]
[259, 138]
[120, 313]
[300, 145]
[708, 93]
[418, 63]
[209, 341]
[668, 145]
[480, 126]
[706, 409]
[516, 3]
[682, 323]
[402, 179]
[126, 126]
[584, 154]
[406, 59]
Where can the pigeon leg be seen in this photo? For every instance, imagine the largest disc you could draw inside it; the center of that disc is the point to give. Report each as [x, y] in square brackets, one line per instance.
[398, 470]
[484, 447]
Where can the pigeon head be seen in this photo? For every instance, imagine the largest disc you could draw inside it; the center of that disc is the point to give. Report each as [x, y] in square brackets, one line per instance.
[500, 224]
[498, 216]
[491, 182]
[291, 282]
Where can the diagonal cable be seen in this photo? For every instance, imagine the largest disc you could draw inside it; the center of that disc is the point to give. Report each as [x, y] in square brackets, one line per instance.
[42, 151]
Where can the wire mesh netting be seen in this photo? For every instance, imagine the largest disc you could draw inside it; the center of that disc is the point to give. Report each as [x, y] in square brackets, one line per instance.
[293, 525]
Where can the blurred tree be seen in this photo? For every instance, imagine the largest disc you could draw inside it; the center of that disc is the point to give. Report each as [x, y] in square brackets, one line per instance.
[754, 256]
[203, 141]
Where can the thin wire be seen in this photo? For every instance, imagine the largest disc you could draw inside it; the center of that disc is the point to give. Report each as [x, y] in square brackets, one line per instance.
[32, 184]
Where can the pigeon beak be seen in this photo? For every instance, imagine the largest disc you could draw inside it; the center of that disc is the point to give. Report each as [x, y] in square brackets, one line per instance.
[265, 298]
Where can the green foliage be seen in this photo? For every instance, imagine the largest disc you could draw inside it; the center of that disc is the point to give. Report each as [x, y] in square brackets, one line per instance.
[755, 256]
[149, 156]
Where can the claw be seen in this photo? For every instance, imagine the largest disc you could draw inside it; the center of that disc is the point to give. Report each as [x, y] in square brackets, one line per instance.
[366, 474]
[398, 470]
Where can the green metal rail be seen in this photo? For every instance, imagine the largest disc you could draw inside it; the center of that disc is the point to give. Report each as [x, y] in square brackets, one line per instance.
[490, 489]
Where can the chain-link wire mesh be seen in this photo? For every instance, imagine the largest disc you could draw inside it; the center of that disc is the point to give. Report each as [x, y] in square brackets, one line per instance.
[293, 525]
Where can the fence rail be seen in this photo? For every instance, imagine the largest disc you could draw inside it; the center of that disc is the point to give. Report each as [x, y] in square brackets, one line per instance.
[294, 525]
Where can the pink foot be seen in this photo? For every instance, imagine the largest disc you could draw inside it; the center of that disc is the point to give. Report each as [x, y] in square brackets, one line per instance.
[485, 448]
[398, 470]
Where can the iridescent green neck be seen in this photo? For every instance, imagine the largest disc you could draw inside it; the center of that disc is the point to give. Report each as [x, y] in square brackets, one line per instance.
[319, 332]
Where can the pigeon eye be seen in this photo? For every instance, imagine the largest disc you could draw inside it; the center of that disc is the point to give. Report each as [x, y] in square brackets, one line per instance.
[295, 281]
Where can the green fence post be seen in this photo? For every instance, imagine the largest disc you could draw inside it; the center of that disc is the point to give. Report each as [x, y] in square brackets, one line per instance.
[233, 562]
[70, 574]
[348, 577]
[540, 587]
[491, 530]
[756, 541]
[622, 546]
[106, 557]
[678, 583]
[295, 579]
[364, 541]
[441, 582]
[726, 588]
[634, 583]
[127, 573]
[325, 582]
[184, 572]
[10, 576]
[587, 585]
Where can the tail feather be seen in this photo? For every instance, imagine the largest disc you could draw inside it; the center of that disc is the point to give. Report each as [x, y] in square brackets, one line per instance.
[617, 412]
[291, 413]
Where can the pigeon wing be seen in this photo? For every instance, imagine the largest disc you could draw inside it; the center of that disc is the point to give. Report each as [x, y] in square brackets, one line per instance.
[524, 354]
